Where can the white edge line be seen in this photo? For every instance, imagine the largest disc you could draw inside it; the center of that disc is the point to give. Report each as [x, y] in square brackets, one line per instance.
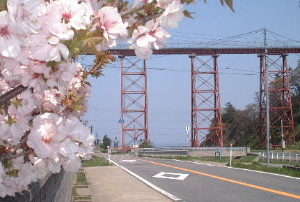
[163, 192]
[245, 169]
[257, 171]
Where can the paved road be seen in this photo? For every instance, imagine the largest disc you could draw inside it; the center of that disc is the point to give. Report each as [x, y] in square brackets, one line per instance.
[193, 182]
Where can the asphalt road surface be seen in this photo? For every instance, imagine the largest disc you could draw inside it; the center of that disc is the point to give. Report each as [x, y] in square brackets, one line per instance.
[199, 182]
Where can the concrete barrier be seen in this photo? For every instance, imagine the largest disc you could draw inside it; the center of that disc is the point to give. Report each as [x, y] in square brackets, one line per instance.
[189, 151]
[50, 188]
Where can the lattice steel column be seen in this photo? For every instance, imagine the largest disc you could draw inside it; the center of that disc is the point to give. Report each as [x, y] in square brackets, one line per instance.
[206, 104]
[280, 99]
[134, 101]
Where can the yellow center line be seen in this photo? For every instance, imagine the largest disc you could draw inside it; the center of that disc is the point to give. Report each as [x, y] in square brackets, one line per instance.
[228, 180]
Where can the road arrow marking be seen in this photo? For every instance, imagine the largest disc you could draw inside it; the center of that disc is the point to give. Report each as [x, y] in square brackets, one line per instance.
[173, 176]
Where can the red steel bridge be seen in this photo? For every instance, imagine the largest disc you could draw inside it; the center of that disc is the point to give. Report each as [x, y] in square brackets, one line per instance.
[206, 113]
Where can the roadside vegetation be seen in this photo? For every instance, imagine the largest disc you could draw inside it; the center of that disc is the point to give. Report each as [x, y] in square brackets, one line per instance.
[80, 180]
[95, 161]
[260, 167]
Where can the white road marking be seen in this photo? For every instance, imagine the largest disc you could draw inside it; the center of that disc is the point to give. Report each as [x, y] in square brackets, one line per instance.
[129, 161]
[173, 176]
[163, 192]
[245, 169]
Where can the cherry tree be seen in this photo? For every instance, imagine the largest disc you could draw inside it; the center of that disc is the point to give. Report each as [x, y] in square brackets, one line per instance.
[44, 90]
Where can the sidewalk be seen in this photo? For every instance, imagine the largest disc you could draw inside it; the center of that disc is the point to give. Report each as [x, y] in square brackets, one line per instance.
[112, 184]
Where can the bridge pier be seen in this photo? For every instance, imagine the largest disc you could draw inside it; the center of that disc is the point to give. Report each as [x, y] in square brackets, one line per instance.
[281, 110]
[206, 115]
[134, 101]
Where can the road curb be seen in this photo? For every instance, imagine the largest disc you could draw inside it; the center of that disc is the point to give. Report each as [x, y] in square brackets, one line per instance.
[156, 188]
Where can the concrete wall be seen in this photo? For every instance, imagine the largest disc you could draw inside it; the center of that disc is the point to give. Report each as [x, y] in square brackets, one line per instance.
[211, 153]
[50, 188]
[196, 152]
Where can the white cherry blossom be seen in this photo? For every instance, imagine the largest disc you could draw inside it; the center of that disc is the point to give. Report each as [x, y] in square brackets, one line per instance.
[40, 128]
[173, 14]
[112, 24]
[10, 44]
[147, 37]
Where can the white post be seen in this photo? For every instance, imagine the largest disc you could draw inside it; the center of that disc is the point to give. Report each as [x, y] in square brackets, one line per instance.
[108, 153]
[187, 129]
[272, 155]
[230, 155]
[277, 156]
[282, 157]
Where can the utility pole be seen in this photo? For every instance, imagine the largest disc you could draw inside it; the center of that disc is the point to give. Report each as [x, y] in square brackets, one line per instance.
[267, 98]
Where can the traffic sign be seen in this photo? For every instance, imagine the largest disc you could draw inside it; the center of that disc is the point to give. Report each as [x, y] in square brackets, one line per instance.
[121, 120]
[187, 129]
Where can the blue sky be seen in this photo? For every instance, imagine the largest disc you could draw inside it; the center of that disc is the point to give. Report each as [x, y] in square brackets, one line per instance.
[169, 89]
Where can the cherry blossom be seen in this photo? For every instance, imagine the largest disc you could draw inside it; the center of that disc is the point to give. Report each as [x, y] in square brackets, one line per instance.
[173, 13]
[40, 40]
[113, 27]
[13, 125]
[147, 37]
[10, 44]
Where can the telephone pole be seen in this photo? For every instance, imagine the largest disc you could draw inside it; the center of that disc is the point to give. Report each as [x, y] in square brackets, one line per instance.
[267, 98]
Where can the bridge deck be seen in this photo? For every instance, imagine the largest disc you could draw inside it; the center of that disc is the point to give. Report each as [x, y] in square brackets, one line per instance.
[210, 51]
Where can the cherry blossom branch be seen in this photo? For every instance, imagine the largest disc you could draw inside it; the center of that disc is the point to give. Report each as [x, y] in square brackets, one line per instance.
[131, 11]
[116, 3]
[8, 156]
[11, 94]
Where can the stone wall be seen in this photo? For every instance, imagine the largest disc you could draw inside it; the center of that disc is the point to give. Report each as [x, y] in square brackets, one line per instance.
[50, 188]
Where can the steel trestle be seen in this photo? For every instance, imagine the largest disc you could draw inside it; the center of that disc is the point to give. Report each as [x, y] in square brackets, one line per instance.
[281, 112]
[134, 101]
[206, 104]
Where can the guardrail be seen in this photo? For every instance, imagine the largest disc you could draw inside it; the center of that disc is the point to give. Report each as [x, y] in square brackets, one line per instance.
[282, 156]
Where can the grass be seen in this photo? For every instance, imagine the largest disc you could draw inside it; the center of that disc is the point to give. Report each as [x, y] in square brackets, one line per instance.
[80, 177]
[285, 162]
[245, 159]
[82, 198]
[95, 161]
[278, 170]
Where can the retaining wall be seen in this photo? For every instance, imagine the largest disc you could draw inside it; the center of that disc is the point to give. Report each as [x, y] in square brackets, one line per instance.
[50, 188]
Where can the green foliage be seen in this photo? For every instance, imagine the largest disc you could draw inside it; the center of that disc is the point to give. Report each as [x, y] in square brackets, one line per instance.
[95, 161]
[106, 142]
[241, 127]
[146, 144]
[296, 146]
[3, 5]
[278, 170]
[80, 177]
[245, 159]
